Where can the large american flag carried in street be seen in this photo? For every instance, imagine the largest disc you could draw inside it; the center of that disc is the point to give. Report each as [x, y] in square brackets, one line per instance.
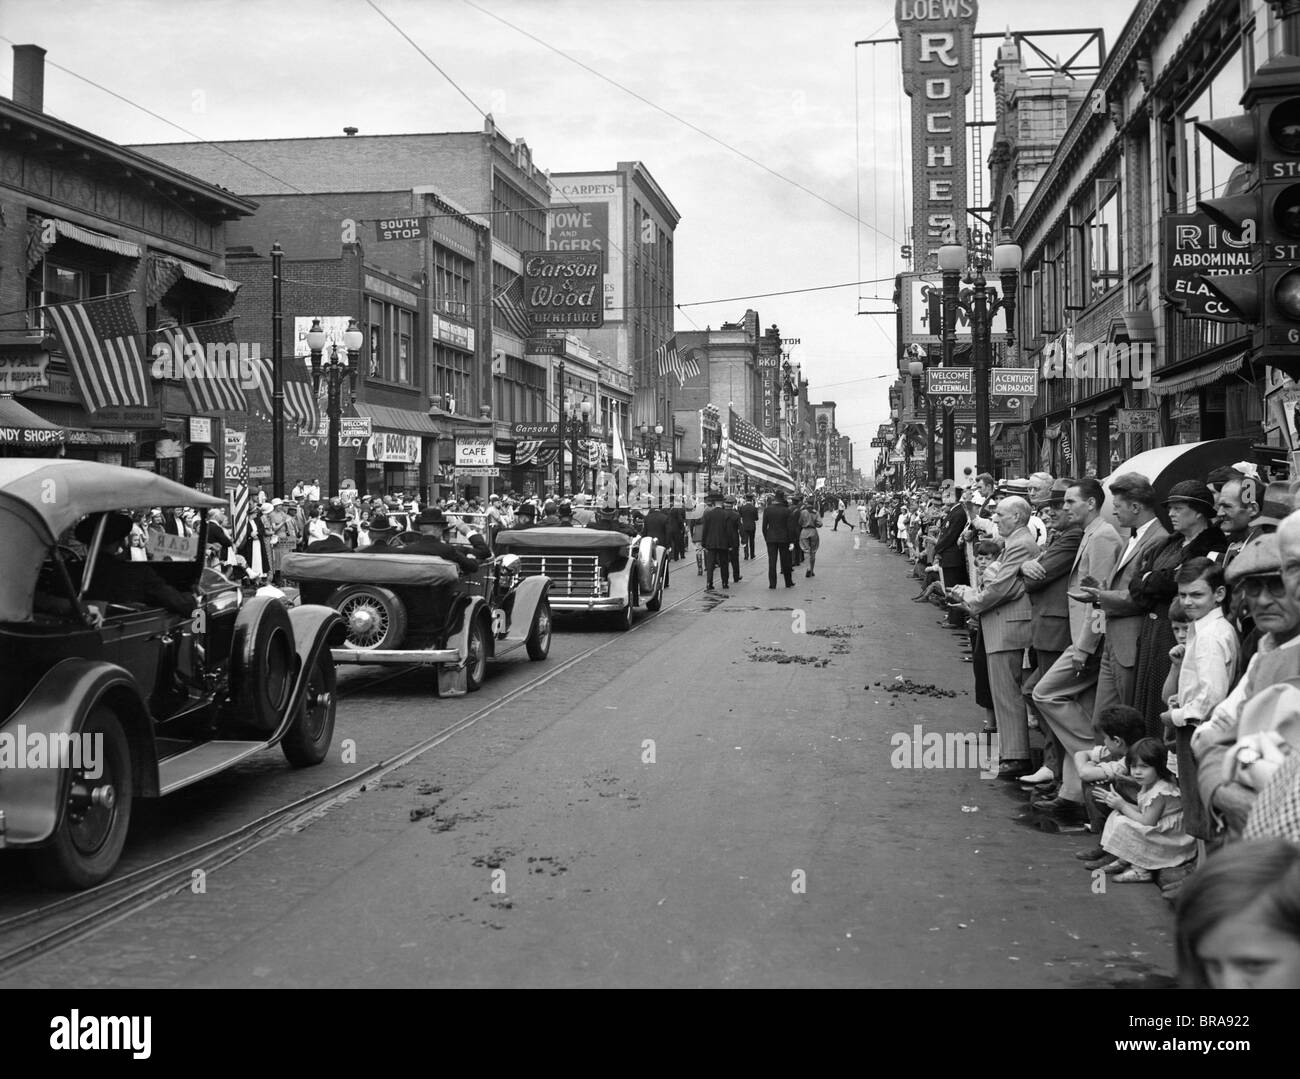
[747, 452]
[101, 341]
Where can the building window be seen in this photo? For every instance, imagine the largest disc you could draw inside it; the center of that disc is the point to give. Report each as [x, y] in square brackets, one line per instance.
[391, 331]
[1207, 170]
[517, 221]
[1100, 242]
[56, 282]
[451, 378]
[453, 278]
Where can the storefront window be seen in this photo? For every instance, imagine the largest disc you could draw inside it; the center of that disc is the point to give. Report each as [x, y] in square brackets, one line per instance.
[50, 282]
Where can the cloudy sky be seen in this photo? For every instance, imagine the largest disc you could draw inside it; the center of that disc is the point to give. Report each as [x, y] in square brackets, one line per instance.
[777, 140]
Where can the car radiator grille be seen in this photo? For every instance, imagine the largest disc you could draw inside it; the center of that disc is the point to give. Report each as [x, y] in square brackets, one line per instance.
[571, 575]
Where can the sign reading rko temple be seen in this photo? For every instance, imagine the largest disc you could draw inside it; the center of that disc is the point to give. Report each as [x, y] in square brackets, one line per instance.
[938, 58]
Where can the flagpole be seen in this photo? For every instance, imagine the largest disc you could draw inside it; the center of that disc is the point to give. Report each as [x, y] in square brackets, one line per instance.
[277, 377]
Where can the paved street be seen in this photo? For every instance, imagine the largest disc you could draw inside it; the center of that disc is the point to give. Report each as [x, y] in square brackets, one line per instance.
[770, 842]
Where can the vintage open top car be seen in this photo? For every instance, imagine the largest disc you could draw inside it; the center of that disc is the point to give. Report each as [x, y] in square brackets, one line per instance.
[143, 701]
[592, 569]
[421, 609]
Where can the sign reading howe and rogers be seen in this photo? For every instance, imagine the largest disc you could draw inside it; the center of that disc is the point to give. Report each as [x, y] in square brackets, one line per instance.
[564, 289]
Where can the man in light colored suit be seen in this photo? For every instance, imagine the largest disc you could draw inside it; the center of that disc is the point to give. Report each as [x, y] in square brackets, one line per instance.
[1134, 502]
[1005, 615]
[1064, 695]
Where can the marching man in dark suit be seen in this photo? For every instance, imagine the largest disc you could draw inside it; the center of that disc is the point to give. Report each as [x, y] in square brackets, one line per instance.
[715, 538]
[748, 526]
[777, 536]
[432, 524]
[733, 536]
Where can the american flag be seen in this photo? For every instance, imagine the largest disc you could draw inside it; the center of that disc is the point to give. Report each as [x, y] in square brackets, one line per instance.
[101, 341]
[300, 405]
[239, 503]
[217, 387]
[747, 452]
[509, 301]
[667, 361]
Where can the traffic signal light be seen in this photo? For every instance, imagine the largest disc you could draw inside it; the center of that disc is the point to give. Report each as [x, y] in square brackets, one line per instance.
[1266, 211]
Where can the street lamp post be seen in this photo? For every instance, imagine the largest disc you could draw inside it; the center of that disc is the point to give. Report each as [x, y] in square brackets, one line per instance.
[917, 357]
[712, 447]
[981, 306]
[650, 447]
[335, 371]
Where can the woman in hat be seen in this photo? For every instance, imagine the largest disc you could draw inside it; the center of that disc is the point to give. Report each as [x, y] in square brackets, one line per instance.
[1190, 505]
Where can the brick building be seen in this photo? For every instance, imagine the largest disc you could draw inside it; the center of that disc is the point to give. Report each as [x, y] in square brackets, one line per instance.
[81, 217]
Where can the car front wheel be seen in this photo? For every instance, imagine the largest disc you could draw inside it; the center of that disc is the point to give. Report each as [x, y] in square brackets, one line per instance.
[97, 808]
[476, 663]
[539, 637]
[308, 739]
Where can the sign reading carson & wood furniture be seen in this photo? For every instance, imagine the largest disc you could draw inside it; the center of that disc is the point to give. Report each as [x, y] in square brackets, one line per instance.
[563, 289]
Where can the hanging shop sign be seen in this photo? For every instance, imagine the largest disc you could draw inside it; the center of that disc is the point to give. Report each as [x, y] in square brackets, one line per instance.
[1191, 245]
[200, 429]
[452, 333]
[949, 381]
[922, 303]
[540, 429]
[475, 451]
[1013, 382]
[562, 289]
[1137, 421]
[401, 228]
[938, 61]
[392, 448]
[19, 373]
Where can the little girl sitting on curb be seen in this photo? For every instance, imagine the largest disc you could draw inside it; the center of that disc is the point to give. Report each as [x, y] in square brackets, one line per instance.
[1147, 836]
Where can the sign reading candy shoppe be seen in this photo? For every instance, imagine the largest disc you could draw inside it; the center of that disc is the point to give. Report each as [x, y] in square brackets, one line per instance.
[937, 54]
[564, 289]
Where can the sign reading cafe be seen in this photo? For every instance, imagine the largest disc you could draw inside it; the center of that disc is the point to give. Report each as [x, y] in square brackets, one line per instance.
[938, 58]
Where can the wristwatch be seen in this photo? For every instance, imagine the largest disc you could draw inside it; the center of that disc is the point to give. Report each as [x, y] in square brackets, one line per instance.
[1248, 755]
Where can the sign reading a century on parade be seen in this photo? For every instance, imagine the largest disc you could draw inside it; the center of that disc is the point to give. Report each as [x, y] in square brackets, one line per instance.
[1013, 382]
[949, 381]
[936, 47]
[563, 289]
[1192, 245]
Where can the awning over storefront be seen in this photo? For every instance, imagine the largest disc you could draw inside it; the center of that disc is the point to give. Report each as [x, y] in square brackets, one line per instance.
[1101, 404]
[1133, 327]
[405, 420]
[1196, 377]
[164, 271]
[21, 427]
[40, 239]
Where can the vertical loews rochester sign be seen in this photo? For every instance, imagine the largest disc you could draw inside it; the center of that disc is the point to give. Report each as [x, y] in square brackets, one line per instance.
[938, 58]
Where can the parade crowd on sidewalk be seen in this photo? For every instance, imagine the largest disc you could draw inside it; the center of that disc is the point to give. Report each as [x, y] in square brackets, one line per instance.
[1140, 683]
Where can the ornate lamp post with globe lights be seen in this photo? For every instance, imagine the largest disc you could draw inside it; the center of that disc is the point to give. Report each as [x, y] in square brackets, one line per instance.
[335, 371]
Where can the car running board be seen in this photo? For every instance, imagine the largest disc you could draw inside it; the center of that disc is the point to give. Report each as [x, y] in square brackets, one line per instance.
[424, 657]
[206, 759]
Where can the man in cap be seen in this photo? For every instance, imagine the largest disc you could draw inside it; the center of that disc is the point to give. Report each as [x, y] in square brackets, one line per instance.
[115, 579]
[432, 525]
[335, 518]
[733, 535]
[606, 520]
[566, 516]
[715, 539]
[383, 535]
[1267, 572]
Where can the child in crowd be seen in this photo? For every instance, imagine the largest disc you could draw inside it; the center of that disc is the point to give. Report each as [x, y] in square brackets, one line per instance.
[1239, 919]
[986, 566]
[1180, 622]
[1119, 727]
[1147, 836]
[1207, 673]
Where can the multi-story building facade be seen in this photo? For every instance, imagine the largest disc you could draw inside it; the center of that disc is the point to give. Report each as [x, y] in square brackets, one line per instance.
[1099, 286]
[84, 218]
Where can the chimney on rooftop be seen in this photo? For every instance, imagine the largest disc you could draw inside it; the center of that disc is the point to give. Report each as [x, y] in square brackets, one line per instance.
[29, 77]
[350, 131]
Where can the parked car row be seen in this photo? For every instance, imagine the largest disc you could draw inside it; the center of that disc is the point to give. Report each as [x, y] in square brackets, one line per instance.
[122, 680]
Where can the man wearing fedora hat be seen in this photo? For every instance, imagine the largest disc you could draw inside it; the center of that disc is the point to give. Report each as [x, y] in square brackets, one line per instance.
[383, 535]
[432, 524]
[115, 579]
[733, 535]
[525, 517]
[715, 539]
[336, 520]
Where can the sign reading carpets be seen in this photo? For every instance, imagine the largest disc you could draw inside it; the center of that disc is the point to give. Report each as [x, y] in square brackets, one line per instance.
[938, 60]
[576, 223]
[562, 289]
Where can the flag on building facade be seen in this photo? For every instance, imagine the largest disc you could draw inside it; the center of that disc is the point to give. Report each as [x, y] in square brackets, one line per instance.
[101, 341]
[509, 304]
[214, 381]
[691, 364]
[300, 405]
[617, 455]
[666, 361]
[747, 452]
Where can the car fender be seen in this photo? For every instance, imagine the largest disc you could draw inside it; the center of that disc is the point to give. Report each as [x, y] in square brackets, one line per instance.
[476, 607]
[315, 629]
[620, 581]
[31, 798]
[528, 594]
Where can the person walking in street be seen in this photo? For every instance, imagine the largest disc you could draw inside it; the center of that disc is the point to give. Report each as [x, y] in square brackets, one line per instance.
[733, 535]
[776, 535]
[677, 527]
[715, 538]
[810, 520]
[748, 525]
[839, 516]
[796, 526]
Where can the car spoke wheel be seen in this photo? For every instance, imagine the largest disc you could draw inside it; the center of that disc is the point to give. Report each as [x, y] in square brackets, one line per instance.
[539, 637]
[374, 617]
[308, 739]
[96, 813]
[476, 663]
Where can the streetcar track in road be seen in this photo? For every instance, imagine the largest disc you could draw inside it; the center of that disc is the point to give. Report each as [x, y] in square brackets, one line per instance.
[97, 908]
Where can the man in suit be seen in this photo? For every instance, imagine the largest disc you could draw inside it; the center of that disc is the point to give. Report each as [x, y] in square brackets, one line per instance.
[715, 538]
[336, 520]
[383, 535]
[432, 524]
[1134, 501]
[950, 554]
[733, 535]
[1005, 615]
[677, 527]
[777, 537]
[1065, 693]
[1046, 580]
[795, 513]
[748, 525]
[657, 526]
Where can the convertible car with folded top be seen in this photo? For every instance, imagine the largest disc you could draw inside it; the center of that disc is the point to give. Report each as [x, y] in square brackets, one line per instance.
[420, 609]
[592, 569]
[122, 680]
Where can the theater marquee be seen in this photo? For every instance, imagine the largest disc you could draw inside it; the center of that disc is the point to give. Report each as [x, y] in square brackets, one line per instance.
[938, 58]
